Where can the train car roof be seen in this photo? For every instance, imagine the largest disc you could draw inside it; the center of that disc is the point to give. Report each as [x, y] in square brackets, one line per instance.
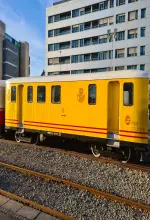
[124, 74]
[2, 83]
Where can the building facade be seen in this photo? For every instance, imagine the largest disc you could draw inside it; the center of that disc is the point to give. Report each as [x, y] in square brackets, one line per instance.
[14, 61]
[95, 36]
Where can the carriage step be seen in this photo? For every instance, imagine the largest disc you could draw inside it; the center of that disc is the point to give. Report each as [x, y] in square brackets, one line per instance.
[113, 143]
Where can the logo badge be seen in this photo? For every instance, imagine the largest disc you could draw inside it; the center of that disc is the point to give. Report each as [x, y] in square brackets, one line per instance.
[81, 95]
[127, 120]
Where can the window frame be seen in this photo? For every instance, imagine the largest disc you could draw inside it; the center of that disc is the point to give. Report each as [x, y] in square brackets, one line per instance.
[28, 94]
[52, 98]
[15, 94]
[129, 105]
[94, 103]
[44, 97]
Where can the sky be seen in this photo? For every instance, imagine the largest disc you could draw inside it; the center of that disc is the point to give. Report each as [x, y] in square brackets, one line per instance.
[25, 21]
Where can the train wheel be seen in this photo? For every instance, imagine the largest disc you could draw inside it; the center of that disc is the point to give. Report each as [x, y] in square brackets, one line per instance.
[126, 154]
[95, 151]
[17, 137]
[35, 139]
[136, 156]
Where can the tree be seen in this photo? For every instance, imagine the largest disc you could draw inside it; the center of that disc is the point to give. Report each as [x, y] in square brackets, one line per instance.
[43, 73]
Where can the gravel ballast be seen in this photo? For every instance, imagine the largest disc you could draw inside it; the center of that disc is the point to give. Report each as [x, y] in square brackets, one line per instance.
[69, 201]
[110, 178]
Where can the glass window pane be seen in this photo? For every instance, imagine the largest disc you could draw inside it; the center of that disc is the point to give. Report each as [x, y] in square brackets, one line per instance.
[41, 94]
[13, 94]
[30, 94]
[128, 94]
[56, 94]
[92, 94]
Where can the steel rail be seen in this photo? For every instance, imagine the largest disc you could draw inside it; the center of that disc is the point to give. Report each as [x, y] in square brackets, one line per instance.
[93, 191]
[36, 205]
[82, 155]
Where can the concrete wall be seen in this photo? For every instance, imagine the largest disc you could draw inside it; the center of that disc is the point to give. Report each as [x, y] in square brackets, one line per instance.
[2, 35]
[24, 59]
[75, 4]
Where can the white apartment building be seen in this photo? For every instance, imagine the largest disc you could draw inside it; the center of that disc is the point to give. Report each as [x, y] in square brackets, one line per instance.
[84, 36]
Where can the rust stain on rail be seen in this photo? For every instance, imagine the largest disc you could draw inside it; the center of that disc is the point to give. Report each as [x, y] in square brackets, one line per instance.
[80, 187]
[36, 205]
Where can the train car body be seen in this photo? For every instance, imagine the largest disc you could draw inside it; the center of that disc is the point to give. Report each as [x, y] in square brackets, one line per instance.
[107, 108]
[2, 106]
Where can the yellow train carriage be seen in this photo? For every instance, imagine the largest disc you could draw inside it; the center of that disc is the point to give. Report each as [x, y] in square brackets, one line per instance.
[108, 110]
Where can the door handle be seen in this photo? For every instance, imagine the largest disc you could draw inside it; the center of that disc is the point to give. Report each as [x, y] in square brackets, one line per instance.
[63, 115]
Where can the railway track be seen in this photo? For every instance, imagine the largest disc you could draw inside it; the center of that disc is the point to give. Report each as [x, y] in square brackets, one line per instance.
[67, 183]
[143, 168]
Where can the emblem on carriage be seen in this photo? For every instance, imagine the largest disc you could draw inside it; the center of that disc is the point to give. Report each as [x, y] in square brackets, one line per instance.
[127, 120]
[81, 95]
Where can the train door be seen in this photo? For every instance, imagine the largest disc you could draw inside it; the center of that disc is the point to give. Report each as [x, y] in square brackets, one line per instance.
[113, 107]
[20, 105]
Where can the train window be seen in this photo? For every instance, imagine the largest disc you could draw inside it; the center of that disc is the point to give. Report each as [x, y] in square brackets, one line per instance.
[13, 94]
[128, 94]
[56, 94]
[41, 94]
[92, 94]
[30, 94]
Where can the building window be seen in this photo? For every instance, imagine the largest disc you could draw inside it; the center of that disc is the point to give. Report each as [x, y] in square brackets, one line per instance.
[64, 45]
[75, 28]
[87, 41]
[50, 33]
[143, 29]
[92, 94]
[128, 94]
[87, 25]
[120, 2]
[86, 57]
[81, 27]
[56, 46]
[74, 72]
[41, 94]
[94, 40]
[120, 35]
[132, 15]
[57, 18]
[50, 47]
[74, 59]
[103, 39]
[50, 73]
[95, 56]
[120, 18]
[142, 67]
[142, 50]
[103, 5]
[132, 52]
[119, 53]
[30, 94]
[81, 43]
[117, 68]
[143, 12]
[87, 9]
[13, 94]
[132, 33]
[130, 1]
[103, 22]
[95, 24]
[111, 3]
[75, 43]
[50, 19]
[132, 67]
[95, 7]
[56, 94]
[75, 13]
